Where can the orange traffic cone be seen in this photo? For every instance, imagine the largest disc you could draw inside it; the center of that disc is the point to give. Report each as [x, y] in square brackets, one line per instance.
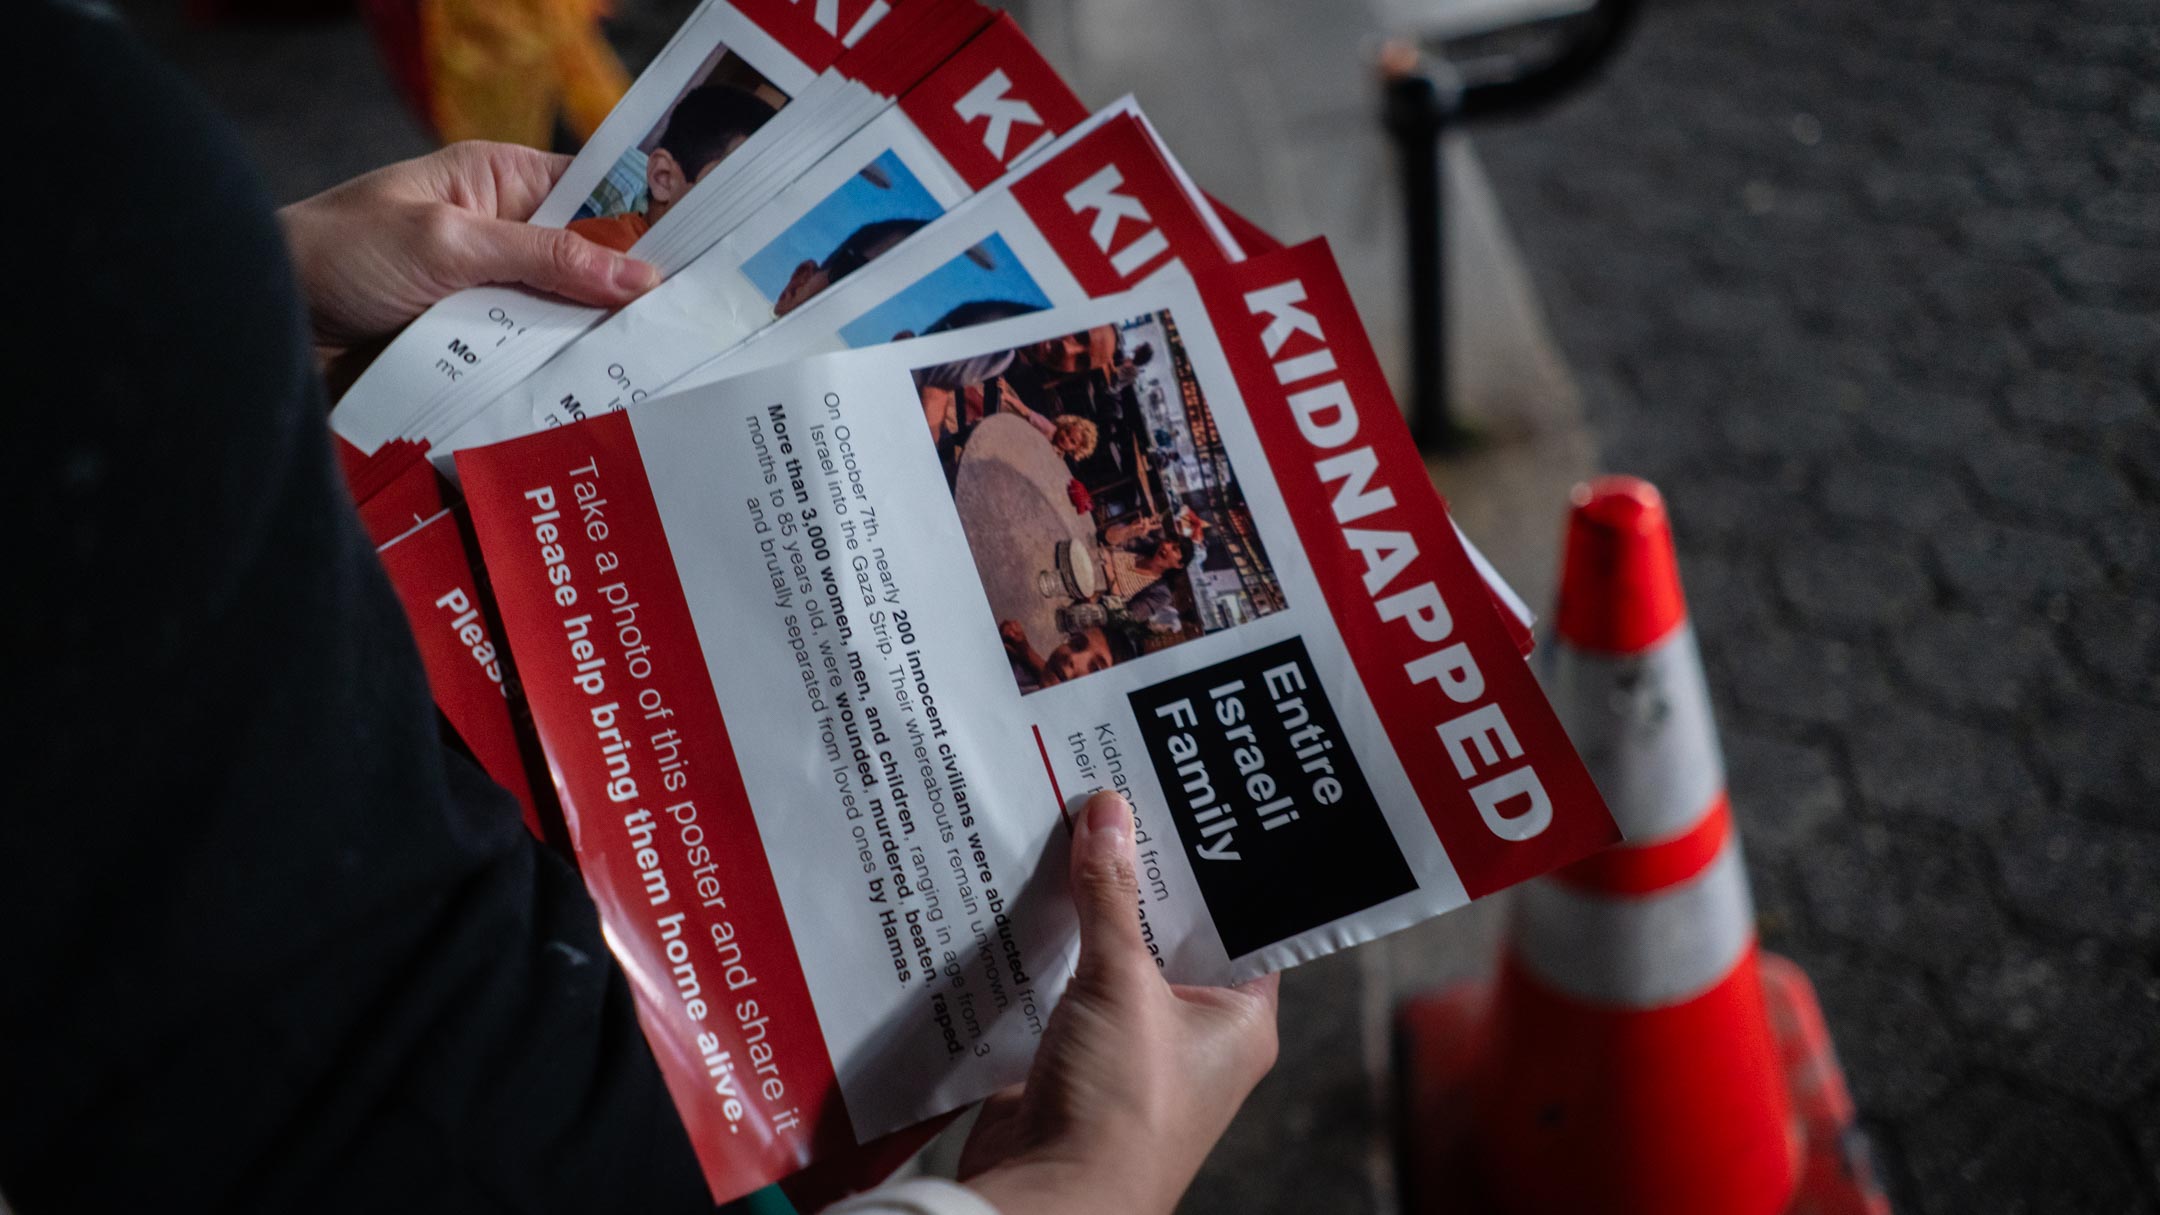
[1626, 1059]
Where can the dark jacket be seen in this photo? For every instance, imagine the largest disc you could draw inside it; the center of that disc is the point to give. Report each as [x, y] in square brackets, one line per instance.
[267, 945]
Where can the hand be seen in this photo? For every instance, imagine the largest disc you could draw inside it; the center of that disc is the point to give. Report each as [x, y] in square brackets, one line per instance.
[1135, 1080]
[375, 252]
[1012, 634]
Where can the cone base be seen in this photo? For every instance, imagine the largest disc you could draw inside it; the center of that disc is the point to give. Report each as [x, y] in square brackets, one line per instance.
[1441, 1040]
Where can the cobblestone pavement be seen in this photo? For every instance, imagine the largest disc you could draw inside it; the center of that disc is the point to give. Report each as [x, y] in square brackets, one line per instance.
[1872, 290]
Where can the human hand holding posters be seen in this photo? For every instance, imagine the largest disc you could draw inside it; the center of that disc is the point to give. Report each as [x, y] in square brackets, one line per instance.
[990, 106]
[744, 97]
[818, 656]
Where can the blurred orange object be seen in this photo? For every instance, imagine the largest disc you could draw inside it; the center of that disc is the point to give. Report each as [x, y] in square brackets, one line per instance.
[510, 70]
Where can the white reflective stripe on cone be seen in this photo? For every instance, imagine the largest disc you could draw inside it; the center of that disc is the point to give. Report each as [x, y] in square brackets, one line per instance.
[1638, 951]
[1642, 724]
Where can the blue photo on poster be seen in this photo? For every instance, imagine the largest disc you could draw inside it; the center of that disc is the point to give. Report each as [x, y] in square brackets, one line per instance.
[985, 283]
[875, 209]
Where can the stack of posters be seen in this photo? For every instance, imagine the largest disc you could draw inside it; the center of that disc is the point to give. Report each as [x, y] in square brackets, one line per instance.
[969, 460]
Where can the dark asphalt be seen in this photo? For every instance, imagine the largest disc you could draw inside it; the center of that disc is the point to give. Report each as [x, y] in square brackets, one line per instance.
[1872, 290]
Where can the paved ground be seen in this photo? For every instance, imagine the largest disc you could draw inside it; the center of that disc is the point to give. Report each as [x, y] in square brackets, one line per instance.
[1873, 291]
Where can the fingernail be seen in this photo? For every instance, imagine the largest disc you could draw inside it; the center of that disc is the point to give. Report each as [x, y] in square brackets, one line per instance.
[634, 275]
[1108, 813]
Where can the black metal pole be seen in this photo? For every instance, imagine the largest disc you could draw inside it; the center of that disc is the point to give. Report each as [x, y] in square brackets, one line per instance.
[1418, 110]
[1592, 37]
[1425, 96]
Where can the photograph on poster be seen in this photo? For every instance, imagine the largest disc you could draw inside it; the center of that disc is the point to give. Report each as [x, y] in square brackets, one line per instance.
[724, 104]
[878, 206]
[1097, 497]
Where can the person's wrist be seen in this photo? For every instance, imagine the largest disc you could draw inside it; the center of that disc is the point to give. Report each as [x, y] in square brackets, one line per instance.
[1123, 1167]
[301, 223]
[1043, 1185]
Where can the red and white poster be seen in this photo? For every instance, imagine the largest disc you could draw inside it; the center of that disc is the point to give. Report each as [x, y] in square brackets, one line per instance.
[821, 655]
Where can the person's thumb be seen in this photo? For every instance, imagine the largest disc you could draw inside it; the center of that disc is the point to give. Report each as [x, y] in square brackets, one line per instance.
[1106, 891]
[554, 261]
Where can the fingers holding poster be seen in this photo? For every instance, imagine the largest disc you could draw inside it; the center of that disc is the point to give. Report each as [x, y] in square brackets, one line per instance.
[1097, 497]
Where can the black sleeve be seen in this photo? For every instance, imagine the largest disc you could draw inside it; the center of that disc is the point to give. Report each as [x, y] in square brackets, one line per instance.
[267, 944]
